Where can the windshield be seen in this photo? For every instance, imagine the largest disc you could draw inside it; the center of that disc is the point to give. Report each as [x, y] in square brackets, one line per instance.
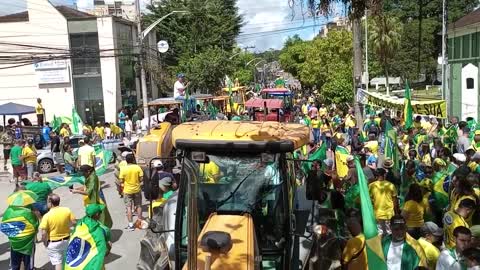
[236, 183]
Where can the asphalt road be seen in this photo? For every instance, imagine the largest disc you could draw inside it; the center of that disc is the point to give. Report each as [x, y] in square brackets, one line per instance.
[126, 245]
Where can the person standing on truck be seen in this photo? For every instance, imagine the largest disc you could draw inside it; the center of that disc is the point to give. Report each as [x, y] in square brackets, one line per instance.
[40, 111]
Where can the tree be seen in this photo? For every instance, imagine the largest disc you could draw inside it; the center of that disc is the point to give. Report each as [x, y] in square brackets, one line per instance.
[385, 36]
[328, 66]
[292, 56]
[205, 70]
[209, 27]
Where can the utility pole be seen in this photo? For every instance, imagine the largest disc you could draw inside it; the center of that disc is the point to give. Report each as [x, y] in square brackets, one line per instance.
[444, 51]
[366, 51]
[143, 76]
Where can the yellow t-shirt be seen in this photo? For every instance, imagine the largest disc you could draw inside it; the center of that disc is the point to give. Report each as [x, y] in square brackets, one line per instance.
[354, 247]
[304, 109]
[210, 171]
[39, 108]
[100, 132]
[85, 154]
[315, 123]
[413, 212]
[31, 155]
[452, 220]
[426, 126]
[57, 223]
[64, 133]
[350, 121]
[373, 146]
[322, 111]
[130, 176]
[431, 252]
[383, 194]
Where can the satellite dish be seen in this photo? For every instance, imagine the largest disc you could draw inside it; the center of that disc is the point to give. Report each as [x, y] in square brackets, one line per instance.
[162, 46]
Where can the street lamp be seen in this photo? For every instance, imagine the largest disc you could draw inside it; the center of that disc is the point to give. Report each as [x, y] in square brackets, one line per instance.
[231, 57]
[141, 37]
[249, 62]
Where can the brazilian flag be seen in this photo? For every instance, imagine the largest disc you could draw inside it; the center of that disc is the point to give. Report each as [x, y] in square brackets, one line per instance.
[63, 181]
[102, 159]
[87, 246]
[441, 183]
[20, 225]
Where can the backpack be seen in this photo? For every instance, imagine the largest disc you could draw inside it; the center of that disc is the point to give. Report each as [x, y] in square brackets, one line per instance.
[151, 187]
[7, 138]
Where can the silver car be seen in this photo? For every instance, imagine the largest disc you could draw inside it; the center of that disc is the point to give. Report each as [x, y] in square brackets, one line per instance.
[45, 162]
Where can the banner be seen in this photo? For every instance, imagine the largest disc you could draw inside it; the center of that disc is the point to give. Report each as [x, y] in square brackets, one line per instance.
[437, 108]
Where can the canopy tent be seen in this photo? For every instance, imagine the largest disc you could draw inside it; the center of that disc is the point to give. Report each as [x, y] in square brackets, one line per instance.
[15, 109]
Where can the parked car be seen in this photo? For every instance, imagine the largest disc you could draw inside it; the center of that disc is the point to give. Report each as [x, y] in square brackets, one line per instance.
[45, 156]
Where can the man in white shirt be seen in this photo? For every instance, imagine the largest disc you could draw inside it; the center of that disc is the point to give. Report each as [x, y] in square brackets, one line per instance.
[452, 259]
[179, 93]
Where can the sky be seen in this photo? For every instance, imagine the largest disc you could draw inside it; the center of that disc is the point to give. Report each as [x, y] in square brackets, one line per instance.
[267, 23]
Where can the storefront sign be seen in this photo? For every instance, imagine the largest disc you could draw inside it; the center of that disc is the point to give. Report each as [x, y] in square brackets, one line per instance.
[54, 71]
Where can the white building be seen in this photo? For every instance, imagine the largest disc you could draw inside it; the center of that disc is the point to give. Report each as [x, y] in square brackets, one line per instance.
[70, 58]
[122, 9]
[338, 23]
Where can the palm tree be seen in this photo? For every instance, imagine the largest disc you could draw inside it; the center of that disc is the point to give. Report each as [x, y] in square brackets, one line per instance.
[385, 37]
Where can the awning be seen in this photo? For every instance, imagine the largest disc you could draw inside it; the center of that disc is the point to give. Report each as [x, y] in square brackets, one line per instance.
[15, 109]
[275, 90]
[261, 103]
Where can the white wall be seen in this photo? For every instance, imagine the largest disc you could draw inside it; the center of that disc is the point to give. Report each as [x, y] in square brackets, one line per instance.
[110, 68]
[46, 27]
[469, 96]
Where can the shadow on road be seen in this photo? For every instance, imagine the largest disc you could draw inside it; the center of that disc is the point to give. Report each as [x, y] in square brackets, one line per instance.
[5, 264]
[111, 257]
[116, 234]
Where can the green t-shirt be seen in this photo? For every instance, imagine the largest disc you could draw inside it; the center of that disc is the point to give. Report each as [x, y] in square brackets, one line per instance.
[40, 188]
[15, 154]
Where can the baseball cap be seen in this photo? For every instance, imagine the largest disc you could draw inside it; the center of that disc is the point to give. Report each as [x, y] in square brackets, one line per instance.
[475, 229]
[477, 132]
[397, 220]
[157, 164]
[125, 153]
[94, 208]
[431, 228]
[180, 75]
[349, 158]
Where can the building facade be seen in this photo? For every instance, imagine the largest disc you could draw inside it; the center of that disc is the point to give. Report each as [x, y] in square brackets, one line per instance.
[463, 67]
[121, 9]
[74, 59]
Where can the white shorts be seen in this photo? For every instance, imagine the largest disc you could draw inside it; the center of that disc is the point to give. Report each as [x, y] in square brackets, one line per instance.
[56, 251]
[57, 158]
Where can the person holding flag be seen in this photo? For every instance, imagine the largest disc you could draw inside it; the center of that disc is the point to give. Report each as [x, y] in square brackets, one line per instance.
[20, 225]
[90, 241]
[400, 249]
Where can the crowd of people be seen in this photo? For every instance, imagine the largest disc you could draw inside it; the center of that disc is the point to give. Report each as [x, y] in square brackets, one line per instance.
[424, 189]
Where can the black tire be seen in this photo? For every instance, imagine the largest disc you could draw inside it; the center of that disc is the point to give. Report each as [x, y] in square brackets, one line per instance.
[45, 165]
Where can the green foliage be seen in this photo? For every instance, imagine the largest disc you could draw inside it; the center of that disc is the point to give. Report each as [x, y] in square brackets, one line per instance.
[293, 55]
[324, 63]
[385, 38]
[206, 69]
[208, 29]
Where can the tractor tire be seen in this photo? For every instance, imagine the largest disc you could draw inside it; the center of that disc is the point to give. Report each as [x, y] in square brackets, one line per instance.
[153, 250]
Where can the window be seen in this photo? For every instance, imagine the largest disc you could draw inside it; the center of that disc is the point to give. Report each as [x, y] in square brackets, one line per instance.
[470, 83]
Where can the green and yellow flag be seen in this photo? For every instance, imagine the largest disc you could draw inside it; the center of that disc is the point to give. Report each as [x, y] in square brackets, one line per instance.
[319, 155]
[87, 246]
[20, 225]
[375, 257]
[77, 123]
[63, 181]
[341, 154]
[56, 123]
[102, 159]
[391, 144]
[408, 109]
